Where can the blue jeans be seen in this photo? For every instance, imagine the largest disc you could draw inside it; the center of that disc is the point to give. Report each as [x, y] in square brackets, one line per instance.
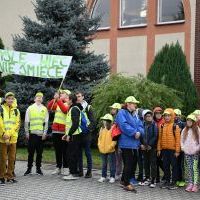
[108, 158]
[85, 145]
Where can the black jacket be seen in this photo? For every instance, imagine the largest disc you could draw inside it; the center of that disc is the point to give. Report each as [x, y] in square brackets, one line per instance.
[75, 116]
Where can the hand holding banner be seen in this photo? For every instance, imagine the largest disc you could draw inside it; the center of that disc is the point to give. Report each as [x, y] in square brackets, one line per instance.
[35, 65]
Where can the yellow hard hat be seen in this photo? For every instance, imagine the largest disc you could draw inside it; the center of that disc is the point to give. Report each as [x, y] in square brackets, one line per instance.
[39, 94]
[116, 106]
[131, 99]
[177, 111]
[68, 92]
[9, 94]
[107, 117]
[196, 112]
[192, 117]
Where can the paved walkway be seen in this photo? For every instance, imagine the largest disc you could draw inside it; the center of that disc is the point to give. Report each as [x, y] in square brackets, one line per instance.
[51, 187]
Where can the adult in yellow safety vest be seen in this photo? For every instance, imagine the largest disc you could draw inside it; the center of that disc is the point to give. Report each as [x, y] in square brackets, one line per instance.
[73, 136]
[60, 106]
[9, 128]
[36, 127]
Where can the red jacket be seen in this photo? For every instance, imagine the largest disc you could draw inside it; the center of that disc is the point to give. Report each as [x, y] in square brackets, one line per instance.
[52, 107]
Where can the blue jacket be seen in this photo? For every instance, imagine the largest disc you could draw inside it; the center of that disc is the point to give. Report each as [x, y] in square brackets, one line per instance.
[150, 137]
[129, 124]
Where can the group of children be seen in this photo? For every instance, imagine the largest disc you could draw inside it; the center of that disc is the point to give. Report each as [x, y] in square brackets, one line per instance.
[155, 141]
[130, 137]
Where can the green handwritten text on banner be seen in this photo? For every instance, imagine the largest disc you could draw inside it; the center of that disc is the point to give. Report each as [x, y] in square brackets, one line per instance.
[32, 64]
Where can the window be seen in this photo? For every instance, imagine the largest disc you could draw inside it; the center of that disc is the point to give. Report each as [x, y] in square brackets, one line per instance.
[133, 13]
[102, 8]
[171, 11]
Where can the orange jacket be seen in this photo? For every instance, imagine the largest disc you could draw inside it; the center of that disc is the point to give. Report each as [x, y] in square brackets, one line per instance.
[169, 138]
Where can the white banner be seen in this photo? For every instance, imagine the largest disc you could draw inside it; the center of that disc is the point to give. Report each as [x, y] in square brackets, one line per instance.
[33, 64]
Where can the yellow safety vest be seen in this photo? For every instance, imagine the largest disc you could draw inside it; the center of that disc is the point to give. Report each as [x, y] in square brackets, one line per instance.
[11, 122]
[60, 117]
[37, 118]
[68, 123]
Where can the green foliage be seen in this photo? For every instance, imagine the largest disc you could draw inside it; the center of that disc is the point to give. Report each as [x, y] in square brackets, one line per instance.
[63, 27]
[170, 68]
[118, 87]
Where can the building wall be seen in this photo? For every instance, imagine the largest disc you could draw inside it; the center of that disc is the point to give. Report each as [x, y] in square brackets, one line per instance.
[123, 59]
[10, 21]
[197, 47]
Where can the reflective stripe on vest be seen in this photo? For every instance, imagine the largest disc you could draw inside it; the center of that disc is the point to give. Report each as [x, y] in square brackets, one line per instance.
[37, 118]
[9, 119]
[69, 123]
[60, 117]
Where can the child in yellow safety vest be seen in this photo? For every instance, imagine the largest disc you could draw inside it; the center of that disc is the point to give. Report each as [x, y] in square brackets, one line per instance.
[36, 127]
[9, 127]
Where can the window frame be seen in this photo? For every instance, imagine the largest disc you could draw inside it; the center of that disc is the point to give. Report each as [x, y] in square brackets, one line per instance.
[169, 22]
[92, 10]
[129, 26]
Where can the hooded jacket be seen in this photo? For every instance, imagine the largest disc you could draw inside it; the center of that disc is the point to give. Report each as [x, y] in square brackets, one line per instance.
[129, 124]
[169, 139]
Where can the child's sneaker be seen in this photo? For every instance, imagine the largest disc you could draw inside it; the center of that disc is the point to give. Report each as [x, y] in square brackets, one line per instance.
[12, 181]
[57, 171]
[195, 188]
[182, 184]
[172, 186]
[165, 185]
[65, 172]
[2, 182]
[189, 188]
[133, 181]
[112, 180]
[146, 181]
[152, 184]
[102, 179]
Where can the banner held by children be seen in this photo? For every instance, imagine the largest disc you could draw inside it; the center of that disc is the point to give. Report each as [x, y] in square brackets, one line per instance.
[33, 64]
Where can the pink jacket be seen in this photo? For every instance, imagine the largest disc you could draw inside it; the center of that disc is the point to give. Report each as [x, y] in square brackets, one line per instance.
[190, 146]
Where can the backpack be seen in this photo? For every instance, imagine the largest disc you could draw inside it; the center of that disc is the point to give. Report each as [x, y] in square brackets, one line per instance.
[115, 132]
[84, 123]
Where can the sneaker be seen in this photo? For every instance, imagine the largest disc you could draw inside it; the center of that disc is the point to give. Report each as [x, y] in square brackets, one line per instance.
[195, 188]
[189, 188]
[39, 172]
[2, 182]
[130, 188]
[182, 184]
[12, 181]
[57, 171]
[81, 174]
[71, 177]
[165, 185]
[102, 179]
[133, 181]
[146, 181]
[28, 172]
[152, 185]
[141, 183]
[172, 186]
[65, 172]
[112, 180]
[117, 177]
[88, 174]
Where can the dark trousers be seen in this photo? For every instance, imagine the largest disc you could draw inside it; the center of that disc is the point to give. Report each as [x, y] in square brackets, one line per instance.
[73, 151]
[180, 165]
[108, 158]
[35, 143]
[170, 161]
[85, 146]
[140, 164]
[150, 163]
[159, 163]
[60, 147]
[129, 157]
